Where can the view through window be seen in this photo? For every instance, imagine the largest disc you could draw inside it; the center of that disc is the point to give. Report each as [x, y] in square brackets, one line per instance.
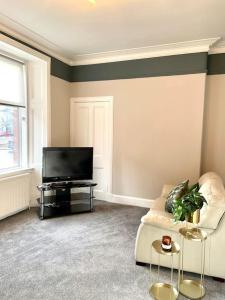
[13, 118]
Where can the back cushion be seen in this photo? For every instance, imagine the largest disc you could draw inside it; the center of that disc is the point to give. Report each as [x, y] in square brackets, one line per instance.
[208, 176]
[212, 189]
[177, 192]
[214, 192]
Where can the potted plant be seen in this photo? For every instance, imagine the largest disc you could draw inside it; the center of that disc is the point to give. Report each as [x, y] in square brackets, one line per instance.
[188, 206]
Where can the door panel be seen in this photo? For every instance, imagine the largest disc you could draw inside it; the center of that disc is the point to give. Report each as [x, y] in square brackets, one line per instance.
[90, 124]
[81, 125]
[99, 125]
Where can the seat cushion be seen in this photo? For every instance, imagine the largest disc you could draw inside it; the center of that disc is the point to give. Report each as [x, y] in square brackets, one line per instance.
[159, 219]
[163, 220]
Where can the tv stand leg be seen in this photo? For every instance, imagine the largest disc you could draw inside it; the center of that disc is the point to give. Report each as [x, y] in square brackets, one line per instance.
[91, 198]
[42, 206]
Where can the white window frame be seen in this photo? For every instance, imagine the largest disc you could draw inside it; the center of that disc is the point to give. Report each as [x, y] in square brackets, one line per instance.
[22, 52]
[23, 161]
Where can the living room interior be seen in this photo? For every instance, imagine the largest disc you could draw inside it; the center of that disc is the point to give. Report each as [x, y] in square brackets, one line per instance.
[111, 149]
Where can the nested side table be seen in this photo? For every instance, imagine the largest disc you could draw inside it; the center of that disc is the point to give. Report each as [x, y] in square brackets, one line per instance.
[160, 290]
[192, 288]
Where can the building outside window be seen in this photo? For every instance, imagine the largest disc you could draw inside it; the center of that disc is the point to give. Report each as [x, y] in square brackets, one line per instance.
[13, 115]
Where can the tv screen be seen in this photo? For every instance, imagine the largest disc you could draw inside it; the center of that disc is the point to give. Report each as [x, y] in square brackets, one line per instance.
[74, 163]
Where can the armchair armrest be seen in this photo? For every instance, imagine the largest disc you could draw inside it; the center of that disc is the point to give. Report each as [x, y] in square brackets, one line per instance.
[159, 204]
[166, 190]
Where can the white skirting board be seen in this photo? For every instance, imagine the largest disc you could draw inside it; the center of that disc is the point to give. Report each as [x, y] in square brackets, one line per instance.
[125, 200]
[14, 194]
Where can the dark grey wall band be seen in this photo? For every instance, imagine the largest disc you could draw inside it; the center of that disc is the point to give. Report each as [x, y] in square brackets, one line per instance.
[216, 64]
[140, 68]
[149, 67]
[61, 70]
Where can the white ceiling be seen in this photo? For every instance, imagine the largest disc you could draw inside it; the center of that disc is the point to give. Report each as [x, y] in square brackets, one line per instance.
[76, 27]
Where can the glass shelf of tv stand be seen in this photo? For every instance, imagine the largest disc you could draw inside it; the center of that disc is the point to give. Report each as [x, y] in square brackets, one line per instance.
[53, 207]
[65, 198]
[65, 185]
[75, 198]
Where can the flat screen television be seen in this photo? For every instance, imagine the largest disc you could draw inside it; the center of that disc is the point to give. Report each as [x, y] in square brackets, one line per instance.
[67, 164]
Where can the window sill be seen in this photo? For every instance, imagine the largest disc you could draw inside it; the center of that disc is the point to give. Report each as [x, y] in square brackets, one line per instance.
[15, 172]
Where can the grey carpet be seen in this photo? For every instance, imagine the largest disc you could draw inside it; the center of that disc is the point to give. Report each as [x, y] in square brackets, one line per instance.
[81, 257]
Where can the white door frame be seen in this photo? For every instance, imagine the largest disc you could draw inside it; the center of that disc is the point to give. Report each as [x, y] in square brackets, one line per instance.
[108, 99]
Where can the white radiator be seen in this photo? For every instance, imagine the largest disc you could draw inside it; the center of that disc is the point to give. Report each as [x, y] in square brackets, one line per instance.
[14, 194]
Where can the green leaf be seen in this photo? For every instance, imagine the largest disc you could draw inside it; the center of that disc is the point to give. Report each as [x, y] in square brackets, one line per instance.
[188, 203]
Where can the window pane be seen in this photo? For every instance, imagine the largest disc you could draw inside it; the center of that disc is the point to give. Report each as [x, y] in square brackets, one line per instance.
[11, 81]
[10, 134]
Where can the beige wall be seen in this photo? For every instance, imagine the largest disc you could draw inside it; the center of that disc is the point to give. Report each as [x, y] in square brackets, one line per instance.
[60, 95]
[213, 158]
[157, 130]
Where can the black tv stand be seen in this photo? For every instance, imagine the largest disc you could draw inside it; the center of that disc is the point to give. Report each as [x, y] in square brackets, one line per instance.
[63, 200]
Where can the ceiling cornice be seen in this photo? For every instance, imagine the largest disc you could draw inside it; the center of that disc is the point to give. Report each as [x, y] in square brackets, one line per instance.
[218, 48]
[195, 46]
[27, 36]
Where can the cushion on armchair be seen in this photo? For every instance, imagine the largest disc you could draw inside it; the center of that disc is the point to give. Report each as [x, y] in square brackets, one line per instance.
[177, 192]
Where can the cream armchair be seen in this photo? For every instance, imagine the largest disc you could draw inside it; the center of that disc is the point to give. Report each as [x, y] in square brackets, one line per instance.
[157, 223]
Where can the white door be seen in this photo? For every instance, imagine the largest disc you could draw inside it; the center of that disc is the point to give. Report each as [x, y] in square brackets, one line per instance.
[91, 126]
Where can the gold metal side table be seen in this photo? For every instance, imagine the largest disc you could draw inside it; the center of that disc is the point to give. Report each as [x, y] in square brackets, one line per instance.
[159, 290]
[190, 288]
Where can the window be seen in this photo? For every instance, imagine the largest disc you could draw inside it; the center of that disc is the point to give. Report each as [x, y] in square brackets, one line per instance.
[13, 115]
